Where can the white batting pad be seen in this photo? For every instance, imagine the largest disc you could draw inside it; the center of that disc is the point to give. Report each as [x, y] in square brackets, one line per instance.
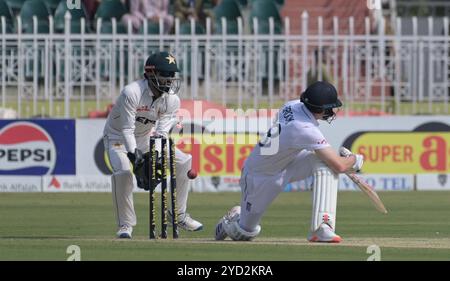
[324, 197]
[183, 165]
[122, 192]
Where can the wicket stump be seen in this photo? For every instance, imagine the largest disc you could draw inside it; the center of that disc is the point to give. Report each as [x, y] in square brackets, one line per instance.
[153, 173]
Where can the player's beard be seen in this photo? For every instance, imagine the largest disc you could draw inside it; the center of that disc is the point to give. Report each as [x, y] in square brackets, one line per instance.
[164, 84]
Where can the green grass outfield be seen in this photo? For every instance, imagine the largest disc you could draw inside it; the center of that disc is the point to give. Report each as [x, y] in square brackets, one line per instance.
[40, 226]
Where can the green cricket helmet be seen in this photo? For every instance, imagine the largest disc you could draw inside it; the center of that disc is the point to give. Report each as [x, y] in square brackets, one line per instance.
[161, 72]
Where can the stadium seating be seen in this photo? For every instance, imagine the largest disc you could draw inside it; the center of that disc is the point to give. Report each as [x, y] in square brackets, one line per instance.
[263, 10]
[230, 10]
[279, 3]
[107, 10]
[15, 5]
[243, 3]
[208, 4]
[53, 4]
[152, 28]
[75, 23]
[34, 8]
[6, 12]
[185, 28]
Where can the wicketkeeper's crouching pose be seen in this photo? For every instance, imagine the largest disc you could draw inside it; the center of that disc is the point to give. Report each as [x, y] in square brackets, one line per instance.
[142, 105]
[293, 150]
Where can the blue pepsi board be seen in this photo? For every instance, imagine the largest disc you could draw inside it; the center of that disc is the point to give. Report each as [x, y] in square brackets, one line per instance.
[37, 147]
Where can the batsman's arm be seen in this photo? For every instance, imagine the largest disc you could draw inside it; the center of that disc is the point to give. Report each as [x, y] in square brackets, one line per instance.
[359, 159]
[337, 163]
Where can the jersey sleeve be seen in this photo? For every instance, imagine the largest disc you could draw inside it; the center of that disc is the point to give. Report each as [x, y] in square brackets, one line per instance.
[306, 136]
[127, 117]
[168, 116]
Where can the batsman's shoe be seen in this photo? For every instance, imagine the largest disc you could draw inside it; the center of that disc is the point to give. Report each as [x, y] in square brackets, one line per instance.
[125, 232]
[220, 233]
[232, 215]
[324, 234]
[186, 222]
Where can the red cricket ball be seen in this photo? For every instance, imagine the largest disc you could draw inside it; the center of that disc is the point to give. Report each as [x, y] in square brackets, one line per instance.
[192, 174]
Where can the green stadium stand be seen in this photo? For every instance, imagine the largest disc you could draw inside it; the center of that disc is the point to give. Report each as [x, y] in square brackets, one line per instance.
[53, 4]
[278, 2]
[263, 10]
[243, 3]
[34, 8]
[107, 10]
[152, 28]
[185, 28]
[5, 11]
[208, 5]
[15, 5]
[75, 22]
[230, 10]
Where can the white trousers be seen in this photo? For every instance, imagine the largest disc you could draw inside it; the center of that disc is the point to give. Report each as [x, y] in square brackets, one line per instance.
[258, 191]
[123, 189]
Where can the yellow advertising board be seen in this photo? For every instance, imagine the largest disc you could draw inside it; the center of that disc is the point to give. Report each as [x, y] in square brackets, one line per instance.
[404, 152]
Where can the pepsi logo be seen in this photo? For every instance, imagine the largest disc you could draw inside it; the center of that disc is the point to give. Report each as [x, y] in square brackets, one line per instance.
[26, 148]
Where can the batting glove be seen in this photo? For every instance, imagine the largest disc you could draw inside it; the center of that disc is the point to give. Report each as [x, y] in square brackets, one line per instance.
[359, 159]
[344, 152]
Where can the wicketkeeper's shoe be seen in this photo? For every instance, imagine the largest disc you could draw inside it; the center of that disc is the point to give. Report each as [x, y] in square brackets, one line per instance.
[125, 232]
[186, 222]
[324, 234]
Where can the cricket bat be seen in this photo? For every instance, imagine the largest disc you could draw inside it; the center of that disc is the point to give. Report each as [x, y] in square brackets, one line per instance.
[368, 190]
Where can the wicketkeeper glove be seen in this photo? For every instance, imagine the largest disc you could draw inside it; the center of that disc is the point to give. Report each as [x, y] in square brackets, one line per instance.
[137, 158]
[142, 172]
[359, 159]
